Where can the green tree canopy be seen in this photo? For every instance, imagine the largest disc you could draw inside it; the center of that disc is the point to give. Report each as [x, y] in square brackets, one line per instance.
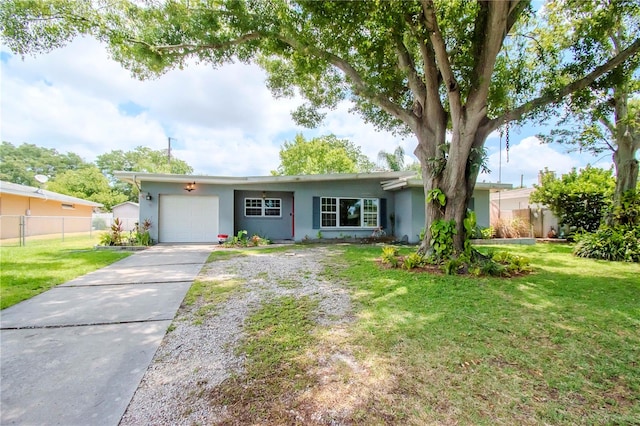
[141, 159]
[321, 155]
[579, 199]
[19, 164]
[427, 68]
[87, 183]
[604, 116]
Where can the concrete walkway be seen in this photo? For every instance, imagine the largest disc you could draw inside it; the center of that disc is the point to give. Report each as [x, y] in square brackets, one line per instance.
[75, 354]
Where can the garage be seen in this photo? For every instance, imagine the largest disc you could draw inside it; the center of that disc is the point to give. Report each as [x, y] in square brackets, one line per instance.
[188, 219]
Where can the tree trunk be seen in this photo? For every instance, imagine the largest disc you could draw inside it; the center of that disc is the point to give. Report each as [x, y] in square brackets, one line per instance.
[624, 159]
[453, 173]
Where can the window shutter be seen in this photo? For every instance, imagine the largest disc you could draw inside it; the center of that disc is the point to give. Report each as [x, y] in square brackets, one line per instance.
[383, 213]
[316, 212]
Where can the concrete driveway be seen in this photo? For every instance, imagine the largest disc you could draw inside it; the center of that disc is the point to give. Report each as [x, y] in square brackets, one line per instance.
[75, 354]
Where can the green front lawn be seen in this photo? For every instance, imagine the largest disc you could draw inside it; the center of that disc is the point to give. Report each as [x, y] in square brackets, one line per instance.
[42, 264]
[559, 346]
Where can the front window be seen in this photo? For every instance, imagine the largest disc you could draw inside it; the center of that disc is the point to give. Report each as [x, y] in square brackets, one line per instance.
[349, 212]
[259, 207]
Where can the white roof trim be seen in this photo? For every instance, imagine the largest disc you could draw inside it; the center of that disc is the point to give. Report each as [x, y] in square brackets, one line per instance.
[135, 177]
[411, 182]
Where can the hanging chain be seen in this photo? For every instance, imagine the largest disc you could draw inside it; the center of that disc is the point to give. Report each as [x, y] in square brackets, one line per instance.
[507, 141]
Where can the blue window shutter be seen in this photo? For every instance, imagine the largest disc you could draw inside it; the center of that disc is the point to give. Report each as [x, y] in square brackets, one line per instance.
[316, 212]
[383, 212]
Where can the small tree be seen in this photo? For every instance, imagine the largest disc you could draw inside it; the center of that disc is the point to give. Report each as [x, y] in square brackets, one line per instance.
[89, 184]
[140, 159]
[580, 199]
[321, 155]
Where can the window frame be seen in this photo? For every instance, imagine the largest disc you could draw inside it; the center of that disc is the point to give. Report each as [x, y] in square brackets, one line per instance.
[333, 215]
[263, 207]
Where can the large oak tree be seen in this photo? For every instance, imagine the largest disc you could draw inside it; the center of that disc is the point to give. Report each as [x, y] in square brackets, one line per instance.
[429, 68]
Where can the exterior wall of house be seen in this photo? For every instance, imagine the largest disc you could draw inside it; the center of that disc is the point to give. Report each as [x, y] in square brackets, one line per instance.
[306, 191]
[271, 227]
[126, 210]
[297, 207]
[409, 211]
[231, 208]
[128, 213]
[481, 201]
[149, 209]
[43, 216]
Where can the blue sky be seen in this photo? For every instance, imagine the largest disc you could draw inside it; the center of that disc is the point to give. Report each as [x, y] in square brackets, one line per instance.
[222, 122]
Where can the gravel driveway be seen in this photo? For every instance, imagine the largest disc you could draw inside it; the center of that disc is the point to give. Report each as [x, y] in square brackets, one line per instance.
[199, 353]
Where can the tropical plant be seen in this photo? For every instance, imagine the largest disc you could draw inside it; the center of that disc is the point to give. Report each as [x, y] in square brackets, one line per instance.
[390, 256]
[619, 243]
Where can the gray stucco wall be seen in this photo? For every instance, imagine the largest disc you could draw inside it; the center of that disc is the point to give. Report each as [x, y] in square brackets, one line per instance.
[232, 208]
[304, 194]
[408, 206]
[481, 207]
[273, 228]
[410, 214]
[410, 211]
[150, 209]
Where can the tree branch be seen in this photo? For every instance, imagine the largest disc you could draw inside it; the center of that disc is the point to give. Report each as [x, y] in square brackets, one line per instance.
[489, 34]
[549, 98]
[198, 47]
[430, 68]
[442, 59]
[406, 64]
[359, 85]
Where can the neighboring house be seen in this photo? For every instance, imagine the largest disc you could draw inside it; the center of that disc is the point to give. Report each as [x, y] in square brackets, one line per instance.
[515, 202]
[42, 212]
[128, 212]
[186, 208]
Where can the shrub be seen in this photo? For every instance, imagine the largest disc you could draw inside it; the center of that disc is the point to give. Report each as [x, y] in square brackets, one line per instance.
[620, 243]
[511, 228]
[454, 265]
[627, 211]
[390, 256]
[412, 261]
[487, 233]
[141, 235]
[114, 237]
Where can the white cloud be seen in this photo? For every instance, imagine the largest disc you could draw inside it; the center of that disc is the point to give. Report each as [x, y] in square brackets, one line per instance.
[224, 121]
[529, 156]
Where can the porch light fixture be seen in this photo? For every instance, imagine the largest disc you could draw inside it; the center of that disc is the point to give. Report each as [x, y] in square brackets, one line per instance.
[148, 197]
[190, 187]
[264, 195]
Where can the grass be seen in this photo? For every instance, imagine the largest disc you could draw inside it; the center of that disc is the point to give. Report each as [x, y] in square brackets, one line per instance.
[277, 336]
[207, 295]
[559, 346]
[43, 264]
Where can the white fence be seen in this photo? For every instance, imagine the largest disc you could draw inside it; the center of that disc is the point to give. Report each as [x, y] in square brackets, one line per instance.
[16, 230]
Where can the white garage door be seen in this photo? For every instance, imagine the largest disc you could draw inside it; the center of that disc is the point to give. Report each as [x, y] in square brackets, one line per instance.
[188, 219]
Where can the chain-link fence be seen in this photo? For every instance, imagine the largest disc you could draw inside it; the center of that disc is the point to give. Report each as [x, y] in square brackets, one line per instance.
[17, 230]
